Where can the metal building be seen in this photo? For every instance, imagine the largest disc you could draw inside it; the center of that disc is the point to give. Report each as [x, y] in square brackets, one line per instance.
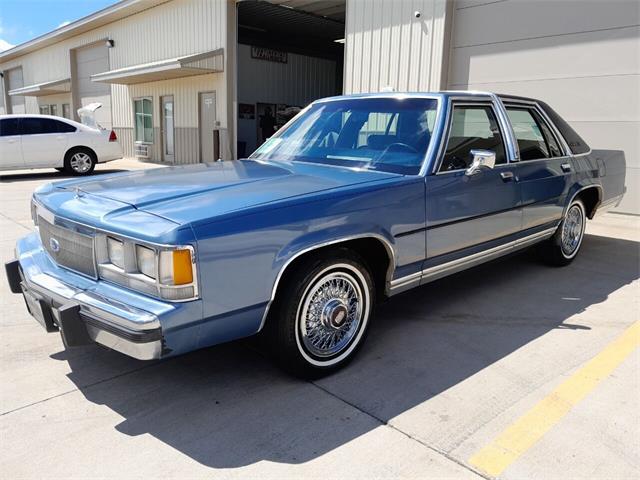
[184, 81]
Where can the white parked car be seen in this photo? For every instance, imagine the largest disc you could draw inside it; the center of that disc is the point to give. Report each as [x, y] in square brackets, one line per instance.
[45, 141]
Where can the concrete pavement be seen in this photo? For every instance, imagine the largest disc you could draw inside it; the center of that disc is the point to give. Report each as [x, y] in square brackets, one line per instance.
[446, 368]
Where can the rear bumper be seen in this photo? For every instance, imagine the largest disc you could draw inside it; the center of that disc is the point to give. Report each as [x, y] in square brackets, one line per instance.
[112, 151]
[84, 317]
[611, 203]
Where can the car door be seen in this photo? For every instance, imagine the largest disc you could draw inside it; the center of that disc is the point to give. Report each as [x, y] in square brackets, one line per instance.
[467, 213]
[10, 143]
[44, 142]
[544, 170]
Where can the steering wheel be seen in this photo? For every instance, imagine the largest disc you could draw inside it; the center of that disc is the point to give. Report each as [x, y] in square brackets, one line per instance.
[398, 146]
[454, 162]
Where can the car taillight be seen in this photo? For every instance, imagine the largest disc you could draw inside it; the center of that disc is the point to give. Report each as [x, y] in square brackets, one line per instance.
[113, 137]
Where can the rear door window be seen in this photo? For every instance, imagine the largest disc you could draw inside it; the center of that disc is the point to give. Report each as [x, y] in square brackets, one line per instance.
[36, 125]
[534, 137]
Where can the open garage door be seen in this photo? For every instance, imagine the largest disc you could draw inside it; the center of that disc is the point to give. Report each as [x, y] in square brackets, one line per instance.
[90, 61]
[290, 53]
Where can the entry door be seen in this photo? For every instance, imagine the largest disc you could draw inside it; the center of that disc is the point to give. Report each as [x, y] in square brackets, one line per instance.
[207, 124]
[463, 210]
[44, 141]
[10, 143]
[545, 173]
[168, 130]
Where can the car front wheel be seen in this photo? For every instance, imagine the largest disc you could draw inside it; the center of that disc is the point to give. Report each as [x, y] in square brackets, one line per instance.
[323, 313]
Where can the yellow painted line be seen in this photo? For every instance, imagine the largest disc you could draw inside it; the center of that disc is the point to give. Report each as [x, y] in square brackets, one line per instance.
[521, 435]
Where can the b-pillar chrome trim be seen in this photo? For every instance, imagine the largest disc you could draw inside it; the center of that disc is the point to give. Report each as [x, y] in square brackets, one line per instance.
[438, 271]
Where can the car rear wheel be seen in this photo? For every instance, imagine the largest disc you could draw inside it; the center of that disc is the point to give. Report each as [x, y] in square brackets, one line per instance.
[323, 313]
[80, 162]
[563, 247]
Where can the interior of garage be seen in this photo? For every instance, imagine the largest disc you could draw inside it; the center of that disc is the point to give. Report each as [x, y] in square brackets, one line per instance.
[290, 52]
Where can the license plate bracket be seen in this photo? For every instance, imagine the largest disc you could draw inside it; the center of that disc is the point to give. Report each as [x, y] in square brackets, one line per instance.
[40, 310]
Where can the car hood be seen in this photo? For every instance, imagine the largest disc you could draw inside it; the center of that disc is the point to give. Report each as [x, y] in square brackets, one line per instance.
[202, 191]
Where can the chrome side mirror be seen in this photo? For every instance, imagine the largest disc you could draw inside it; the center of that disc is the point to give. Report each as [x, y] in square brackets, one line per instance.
[481, 159]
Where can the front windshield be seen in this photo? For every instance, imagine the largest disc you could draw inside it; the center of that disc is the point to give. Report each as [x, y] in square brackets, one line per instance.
[390, 134]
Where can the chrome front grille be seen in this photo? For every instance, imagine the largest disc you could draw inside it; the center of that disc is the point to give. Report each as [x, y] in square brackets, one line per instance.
[68, 248]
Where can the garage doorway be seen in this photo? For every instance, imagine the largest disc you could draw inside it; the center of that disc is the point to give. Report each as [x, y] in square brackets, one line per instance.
[289, 54]
[168, 128]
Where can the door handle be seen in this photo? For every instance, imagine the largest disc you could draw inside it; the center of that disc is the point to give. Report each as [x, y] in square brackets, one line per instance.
[566, 167]
[507, 176]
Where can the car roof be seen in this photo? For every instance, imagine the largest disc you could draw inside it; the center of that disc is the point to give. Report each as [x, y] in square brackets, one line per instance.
[37, 115]
[435, 94]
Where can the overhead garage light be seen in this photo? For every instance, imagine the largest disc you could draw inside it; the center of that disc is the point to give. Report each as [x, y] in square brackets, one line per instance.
[340, 40]
[250, 27]
[109, 43]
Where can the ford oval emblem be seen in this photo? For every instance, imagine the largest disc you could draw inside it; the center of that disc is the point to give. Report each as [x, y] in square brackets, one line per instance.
[54, 244]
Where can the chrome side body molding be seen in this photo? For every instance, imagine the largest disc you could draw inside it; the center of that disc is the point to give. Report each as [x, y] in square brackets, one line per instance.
[438, 271]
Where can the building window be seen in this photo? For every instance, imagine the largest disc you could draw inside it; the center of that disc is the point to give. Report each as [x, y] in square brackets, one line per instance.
[49, 110]
[66, 110]
[143, 116]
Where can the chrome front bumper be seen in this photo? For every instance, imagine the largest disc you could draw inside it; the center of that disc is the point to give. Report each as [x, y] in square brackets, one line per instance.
[83, 316]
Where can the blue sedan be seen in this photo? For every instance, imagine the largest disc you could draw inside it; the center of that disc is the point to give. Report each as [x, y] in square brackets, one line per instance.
[356, 199]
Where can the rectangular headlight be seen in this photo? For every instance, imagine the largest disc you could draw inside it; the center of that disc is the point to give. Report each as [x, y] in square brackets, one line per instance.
[115, 249]
[146, 261]
[162, 271]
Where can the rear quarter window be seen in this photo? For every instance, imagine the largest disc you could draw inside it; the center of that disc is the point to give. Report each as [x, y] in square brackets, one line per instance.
[576, 142]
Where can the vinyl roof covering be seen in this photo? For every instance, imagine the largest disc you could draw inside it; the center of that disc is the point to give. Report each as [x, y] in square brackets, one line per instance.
[207, 62]
[41, 89]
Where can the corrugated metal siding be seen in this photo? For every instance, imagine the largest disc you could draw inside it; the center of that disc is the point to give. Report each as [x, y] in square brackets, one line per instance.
[185, 96]
[185, 93]
[177, 28]
[174, 29]
[387, 46]
[299, 81]
[581, 57]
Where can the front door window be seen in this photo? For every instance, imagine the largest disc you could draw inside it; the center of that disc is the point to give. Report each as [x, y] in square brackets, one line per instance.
[473, 127]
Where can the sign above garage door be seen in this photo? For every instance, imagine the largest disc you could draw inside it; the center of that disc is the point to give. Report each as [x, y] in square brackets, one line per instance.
[268, 54]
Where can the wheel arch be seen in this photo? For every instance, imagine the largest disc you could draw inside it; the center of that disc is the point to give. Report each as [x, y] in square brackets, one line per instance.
[591, 196]
[76, 148]
[368, 245]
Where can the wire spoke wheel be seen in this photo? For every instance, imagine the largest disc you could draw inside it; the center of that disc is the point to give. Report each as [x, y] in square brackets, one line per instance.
[572, 230]
[331, 314]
